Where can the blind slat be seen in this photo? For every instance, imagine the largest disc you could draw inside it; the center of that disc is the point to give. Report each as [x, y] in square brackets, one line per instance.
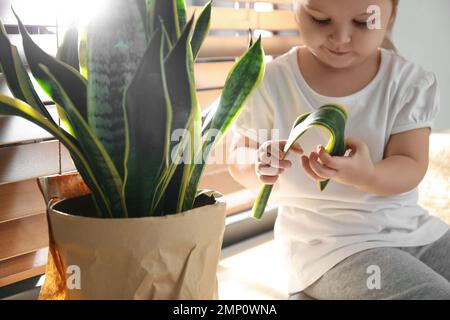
[212, 75]
[220, 181]
[23, 236]
[207, 97]
[243, 19]
[23, 267]
[234, 46]
[28, 161]
[239, 201]
[12, 204]
[16, 129]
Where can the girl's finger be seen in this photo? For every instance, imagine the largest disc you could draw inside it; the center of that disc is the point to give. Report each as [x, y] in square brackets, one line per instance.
[353, 143]
[284, 164]
[296, 148]
[276, 148]
[319, 169]
[269, 154]
[327, 160]
[268, 179]
[267, 170]
[274, 161]
[307, 167]
[264, 157]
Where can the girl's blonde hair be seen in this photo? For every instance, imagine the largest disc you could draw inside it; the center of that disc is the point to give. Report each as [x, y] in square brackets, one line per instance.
[387, 42]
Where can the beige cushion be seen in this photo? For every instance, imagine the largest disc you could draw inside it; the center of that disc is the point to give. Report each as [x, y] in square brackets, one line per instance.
[300, 296]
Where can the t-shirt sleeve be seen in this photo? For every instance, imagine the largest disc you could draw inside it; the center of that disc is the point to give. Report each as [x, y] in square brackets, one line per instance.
[256, 118]
[419, 106]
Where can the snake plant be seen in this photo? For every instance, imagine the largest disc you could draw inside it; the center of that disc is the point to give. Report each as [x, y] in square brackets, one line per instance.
[131, 86]
[332, 118]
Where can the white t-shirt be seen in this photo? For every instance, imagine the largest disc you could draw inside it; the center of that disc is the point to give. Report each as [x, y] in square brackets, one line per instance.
[315, 230]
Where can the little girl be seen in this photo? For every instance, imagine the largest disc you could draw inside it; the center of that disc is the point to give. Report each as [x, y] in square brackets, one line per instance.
[364, 236]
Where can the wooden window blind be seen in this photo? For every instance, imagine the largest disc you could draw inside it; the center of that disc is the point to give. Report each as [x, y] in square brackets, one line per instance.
[27, 152]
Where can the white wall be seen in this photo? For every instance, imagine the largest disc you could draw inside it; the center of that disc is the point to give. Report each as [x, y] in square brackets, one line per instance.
[422, 35]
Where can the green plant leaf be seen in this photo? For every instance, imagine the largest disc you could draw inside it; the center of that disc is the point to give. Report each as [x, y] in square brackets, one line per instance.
[201, 29]
[82, 53]
[142, 7]
[182, 92]
[116, 44]
[102, 204]
[15, 107]
[146, 152]
[99, 160]
[186, 115]
[150, 27]
[181, 14]
[17, 77]
[68, 51]
[242, 80]
[332, 118]
[168, 11]
[69, 78]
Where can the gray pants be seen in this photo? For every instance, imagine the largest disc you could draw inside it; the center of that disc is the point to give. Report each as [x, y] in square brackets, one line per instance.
[404, 273]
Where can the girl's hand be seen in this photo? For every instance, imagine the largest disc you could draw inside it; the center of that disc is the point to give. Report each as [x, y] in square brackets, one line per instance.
[355, 170]
[270, 163]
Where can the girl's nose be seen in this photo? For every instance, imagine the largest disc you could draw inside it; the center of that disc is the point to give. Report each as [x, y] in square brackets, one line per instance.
[340, 35]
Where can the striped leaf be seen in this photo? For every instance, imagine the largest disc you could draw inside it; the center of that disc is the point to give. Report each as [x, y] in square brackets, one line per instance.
[168, 11]
[69, 78]
[82, 54]
[238, 87]
[68, 51]
[116, 44]
[151, 26]
[99, 160]
[242, 80]
[146, 152]
[17, 77]
[15, 107]
[142, 7]
[186, 115]
[201, 29]
[185, 108]
[181, 14]
[332, 118]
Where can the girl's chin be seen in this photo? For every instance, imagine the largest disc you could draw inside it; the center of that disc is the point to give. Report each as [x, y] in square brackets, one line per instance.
[334, 61]
[337, 63]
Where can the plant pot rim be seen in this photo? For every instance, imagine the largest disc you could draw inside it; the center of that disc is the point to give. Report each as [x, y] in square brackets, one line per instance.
[218, 197]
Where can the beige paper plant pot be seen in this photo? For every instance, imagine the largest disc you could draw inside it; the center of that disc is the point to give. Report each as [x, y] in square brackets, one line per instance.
[167, 257]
